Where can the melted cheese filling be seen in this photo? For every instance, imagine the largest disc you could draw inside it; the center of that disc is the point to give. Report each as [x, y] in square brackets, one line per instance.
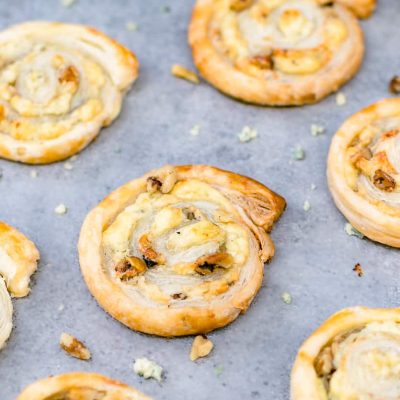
[193, 233]
[373, 164]
[367, 364]
[46, 90]
[284, 37]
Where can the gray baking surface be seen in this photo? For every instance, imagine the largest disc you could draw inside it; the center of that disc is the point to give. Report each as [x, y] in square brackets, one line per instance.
[314, 257]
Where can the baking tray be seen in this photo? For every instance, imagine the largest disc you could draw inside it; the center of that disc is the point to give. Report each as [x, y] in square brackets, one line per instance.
[314, 258]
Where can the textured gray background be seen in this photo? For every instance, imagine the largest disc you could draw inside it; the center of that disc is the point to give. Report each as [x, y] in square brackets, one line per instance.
[314, 257]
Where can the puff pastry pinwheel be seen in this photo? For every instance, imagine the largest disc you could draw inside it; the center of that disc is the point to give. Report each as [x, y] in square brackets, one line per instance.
[59, 85]
[364, 171]
[80, 386]
[18, 261]
[278, 52]
[180, 250]
[355, 354]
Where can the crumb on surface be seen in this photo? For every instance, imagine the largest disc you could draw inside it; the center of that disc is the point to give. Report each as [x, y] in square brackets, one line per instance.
[298, 153]
[317, 129]
[60, 209]
[313, 186]
[68, 166]
[306, 206]
[74, 347]
[148, 369]
[394, 85]
[286, 297]
[358, 270]
[60, 307]
[68, 3]
[351, 231]
[33, 174]
[201, 347]
[195, 130]
[132, 26]
[341, 99]
[181, 72]
[247, 134]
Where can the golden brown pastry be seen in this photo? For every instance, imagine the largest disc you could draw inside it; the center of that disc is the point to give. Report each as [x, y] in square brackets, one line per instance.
[59, 85]
[364, 171]
[18, 261]
[180, 250]
[278, 52]
[80, 386]
[355, 354]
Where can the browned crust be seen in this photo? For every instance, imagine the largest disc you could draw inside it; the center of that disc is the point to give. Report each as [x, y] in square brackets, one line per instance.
[167, 321]
[225, 77]
[304, 379]
[361, 8]
[45, 388]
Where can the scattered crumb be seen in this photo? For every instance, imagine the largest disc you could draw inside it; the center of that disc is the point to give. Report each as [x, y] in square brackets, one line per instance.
[358, 269]
[60, 209]
[195, 130]
[74, 347]
[247, 134]
[313, 186]
[306, 206]
[74, 158]
[299, 153]
[131, 26]
[351, 231]
[68, 166]
[33, 174]
[317, 130]
[166, 9]
[394, 85]
[181, 72]
[219, 369]
[148, 369]
[341, 99]
[201, 347]
[68, 3]
[286, 297]
[60, 307]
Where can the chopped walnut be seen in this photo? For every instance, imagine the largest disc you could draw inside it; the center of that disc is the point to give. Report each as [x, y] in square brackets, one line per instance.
[394, 85]
[164, 182]
[181, 72]
[192, 213]
[68, 75]
[240, 5]
[263, 61]
[206, 265]
[179, 296]
[324, 362]
[201, 347]
[384, 181]
[358, 270]
[153, 184]
[129, 267]
[151, 257]
[74, 347]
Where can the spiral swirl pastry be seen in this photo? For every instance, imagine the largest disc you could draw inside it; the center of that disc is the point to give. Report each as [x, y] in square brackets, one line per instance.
[59, 85]
[277, 52]
[18, 261]
[364, 171]
[181, 250]
[355, 354]
[80, 386]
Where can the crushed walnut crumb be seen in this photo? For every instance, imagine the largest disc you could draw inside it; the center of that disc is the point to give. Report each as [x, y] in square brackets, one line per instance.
[316, 129]
[181, 72]
[129, 267]
[74, 347]
[394, 85]
[341, 99]
[148, 369]
[247, 134]
[61, 209]
[384, 181]
[306, 206]
[286, 298]
[201, 347]
[68, 166]
[358, 270]
[351, 231]
[34, 174]
[298, 153]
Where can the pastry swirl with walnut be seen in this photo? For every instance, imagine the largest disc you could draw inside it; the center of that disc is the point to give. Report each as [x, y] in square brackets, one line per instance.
[80, 386]
[59, 85]
[181, 250]
[355, 354]
[364, 171]
[278, 52]
[18, 261]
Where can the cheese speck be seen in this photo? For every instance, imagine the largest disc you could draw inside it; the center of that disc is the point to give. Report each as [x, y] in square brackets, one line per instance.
[68, 166]
[148, 369]
[316, 129]
[33, 173]
[313, 186]
[341, 99]
[299, 153]
[131, 26]
[306, 206]
[247, 134]
[60, 209]
[351, 231]
[286, 297]
[195, 130]
[67, 3]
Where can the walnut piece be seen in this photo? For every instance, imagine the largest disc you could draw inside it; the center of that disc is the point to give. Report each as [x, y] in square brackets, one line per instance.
[324, 362]
[129, 267]
[263, 61]
[74, 347]
[201, 347]
[181, 72]
[384, 181]
[394, 85]
[358, 270]
[153, 184]
[163, 182]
